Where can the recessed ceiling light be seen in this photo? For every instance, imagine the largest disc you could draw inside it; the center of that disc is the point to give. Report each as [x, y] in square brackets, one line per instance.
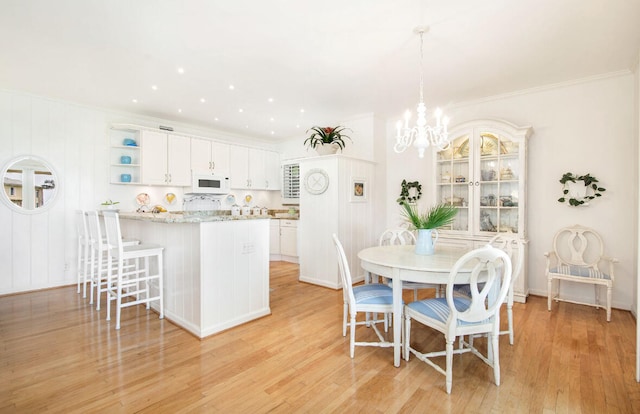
[270, 99]
[179, 110]
[134, 100]
[181, 71]
[302, 110]
[246, 126]
[203, 100]
[271, 119]
[298, 126]
[154, 87]
[231, 87]
[240, 110]
[272, 132]
[216, 119]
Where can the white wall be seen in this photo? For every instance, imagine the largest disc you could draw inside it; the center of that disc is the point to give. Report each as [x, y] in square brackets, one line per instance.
[582, 127]
[39, 250]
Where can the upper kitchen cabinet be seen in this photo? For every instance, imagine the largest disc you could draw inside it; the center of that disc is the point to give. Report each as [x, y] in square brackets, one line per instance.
[254, 169]
[166, 159]
[207, 155]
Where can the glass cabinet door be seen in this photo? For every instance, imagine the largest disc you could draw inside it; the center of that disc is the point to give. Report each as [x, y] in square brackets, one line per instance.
[454, 183]
[498, 190]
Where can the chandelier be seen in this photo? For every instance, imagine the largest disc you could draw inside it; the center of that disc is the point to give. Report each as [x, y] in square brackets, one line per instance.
[422, 135]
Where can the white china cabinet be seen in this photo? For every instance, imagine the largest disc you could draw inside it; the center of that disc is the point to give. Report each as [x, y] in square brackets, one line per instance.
[484, 174]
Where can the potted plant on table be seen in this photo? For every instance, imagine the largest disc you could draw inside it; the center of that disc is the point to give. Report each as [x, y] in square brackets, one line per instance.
[427, 223]
[326, 140]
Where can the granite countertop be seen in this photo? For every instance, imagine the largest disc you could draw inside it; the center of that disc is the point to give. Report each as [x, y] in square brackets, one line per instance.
[188, 217]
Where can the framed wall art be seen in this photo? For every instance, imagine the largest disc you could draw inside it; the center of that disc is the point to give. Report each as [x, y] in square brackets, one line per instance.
[359, 190]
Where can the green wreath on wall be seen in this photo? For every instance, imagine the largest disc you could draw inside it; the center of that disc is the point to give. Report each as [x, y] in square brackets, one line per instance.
[406, 193]
[589, 181]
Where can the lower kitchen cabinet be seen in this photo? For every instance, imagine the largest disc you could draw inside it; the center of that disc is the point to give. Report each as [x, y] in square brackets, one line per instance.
[283, 240]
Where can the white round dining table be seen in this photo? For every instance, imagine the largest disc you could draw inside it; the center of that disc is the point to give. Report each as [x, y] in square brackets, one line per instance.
[400, 263]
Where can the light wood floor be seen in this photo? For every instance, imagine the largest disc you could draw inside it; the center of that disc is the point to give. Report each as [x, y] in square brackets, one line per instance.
[57, 354]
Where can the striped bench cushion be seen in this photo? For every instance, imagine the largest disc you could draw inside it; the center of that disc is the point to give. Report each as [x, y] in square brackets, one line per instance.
[581, 271]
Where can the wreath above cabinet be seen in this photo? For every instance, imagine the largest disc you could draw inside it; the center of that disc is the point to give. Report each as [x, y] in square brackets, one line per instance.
[578, 190]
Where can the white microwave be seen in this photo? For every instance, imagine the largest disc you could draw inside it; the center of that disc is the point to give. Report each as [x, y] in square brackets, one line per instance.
[209, 183]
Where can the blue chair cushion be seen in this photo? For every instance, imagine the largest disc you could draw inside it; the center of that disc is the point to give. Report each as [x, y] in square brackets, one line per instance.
[373, 294]
[581, 271]
[438, 308]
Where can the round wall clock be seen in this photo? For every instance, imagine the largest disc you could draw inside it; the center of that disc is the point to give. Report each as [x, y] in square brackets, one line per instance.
[316, 181]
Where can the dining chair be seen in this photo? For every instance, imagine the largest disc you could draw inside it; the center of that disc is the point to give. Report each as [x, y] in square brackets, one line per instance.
[371, 297]
[83, 251]
[134, 284]
[489, 271]
[401, 236]
[577, 256]
[514, 246]
[98, 247]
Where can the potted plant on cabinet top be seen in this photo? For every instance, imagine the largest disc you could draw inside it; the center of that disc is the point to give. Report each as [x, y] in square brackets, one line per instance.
[326, 140]
[427, 223]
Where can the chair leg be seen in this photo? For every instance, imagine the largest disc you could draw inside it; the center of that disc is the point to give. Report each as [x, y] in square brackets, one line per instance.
[496, 357]
[161, 285]
[596, 296]
[92, 271]
[415, 295]
[85, 270]
[510, 321]
[119, 294]
[609, 288]
[449, 367]
[344, 319]
[80, 277]
[549, 293]
[352, 340]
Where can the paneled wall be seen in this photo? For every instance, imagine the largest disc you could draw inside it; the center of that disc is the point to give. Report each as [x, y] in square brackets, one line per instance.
[39, 250]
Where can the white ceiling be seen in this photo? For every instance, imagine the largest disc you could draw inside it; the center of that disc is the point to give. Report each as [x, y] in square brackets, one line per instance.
[332, 58]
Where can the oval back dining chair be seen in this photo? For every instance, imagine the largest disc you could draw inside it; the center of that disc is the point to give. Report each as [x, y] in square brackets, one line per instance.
[489, 272]
[371, 297]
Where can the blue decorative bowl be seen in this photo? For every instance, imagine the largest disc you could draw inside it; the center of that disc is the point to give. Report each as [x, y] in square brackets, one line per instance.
[125, 178]
[125, 159]
[129, 142]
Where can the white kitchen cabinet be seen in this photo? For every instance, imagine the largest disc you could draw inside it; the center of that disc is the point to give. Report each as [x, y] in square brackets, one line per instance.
[274, 238]
[253, 168]
[272, 170]
[289, 238]
[239, 168]
[166, 159]
[207, 155]
[483, 173]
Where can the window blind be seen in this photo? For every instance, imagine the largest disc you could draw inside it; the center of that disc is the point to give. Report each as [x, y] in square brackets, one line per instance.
[291, 183]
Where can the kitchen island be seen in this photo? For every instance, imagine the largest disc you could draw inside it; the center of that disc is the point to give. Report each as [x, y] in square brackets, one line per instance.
[216, 267]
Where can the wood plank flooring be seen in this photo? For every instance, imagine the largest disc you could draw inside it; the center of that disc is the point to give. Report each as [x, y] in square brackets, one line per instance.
[57, 354]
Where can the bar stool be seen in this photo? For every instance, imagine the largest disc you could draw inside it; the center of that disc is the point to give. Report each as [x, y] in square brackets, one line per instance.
[134, 284]
[98, 257]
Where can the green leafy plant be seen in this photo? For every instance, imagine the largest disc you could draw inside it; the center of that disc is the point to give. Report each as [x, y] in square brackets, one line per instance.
[326, 135]
[589, 181]
[110, 203]
[437, 216]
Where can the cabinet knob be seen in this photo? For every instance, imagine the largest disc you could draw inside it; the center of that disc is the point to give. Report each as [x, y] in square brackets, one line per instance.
[477, 183]
[213, 165]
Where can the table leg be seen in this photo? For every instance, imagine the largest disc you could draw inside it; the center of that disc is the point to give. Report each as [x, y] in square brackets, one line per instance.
[397, 316]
